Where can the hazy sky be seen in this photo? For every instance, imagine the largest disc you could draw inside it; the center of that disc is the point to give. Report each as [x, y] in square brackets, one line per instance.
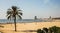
[31, 8]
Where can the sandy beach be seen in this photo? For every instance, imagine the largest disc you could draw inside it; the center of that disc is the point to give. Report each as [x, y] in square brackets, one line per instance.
[27, 26]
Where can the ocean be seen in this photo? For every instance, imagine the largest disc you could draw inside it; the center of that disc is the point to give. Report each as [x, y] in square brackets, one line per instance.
[23, 20]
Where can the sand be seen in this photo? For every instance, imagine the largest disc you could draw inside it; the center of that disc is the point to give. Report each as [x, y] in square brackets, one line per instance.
[9, 28]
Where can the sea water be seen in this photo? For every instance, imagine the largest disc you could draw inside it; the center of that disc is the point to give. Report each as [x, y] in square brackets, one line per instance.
[23, 20]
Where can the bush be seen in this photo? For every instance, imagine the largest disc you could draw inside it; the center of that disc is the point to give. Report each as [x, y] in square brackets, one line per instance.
[40, 31]
[45, 29]
[50, 30]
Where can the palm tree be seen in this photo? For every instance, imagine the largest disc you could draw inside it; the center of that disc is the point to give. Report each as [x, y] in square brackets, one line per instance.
[13, 12]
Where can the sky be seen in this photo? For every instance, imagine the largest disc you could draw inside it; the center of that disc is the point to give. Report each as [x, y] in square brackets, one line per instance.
[31, 8]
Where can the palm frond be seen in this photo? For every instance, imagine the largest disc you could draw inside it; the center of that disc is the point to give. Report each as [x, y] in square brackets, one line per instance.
[20, 13]
[19, 10]
[9, 12]
[19, 16]
[8, 17]
[14, 8]
[14, 11]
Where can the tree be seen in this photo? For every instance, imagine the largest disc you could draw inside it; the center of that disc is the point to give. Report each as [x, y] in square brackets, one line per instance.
[13, 12]
[45, 30]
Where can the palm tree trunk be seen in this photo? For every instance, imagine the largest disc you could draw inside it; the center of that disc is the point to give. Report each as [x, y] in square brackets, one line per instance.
[15, 23]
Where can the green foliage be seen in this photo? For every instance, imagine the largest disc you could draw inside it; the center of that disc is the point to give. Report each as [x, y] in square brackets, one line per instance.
[45, 29]
[40, 31]
[53, 29]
